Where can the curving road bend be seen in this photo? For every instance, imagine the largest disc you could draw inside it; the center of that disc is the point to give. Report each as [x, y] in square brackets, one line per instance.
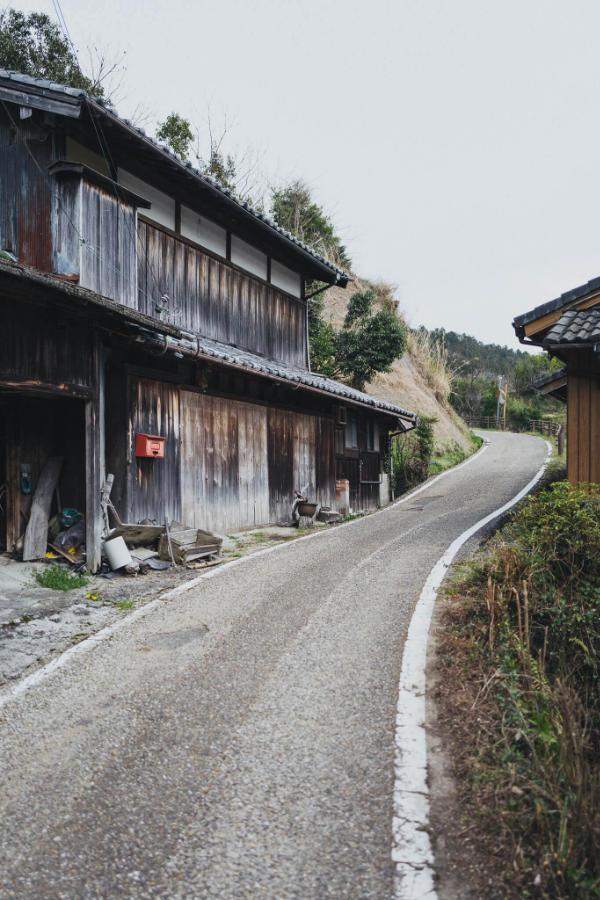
[238, 740]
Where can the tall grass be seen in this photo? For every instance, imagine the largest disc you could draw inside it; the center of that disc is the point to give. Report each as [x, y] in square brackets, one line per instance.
[527, 617]
[431, 358]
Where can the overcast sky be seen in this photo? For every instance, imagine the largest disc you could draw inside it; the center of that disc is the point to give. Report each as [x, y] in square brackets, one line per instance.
[453, 142]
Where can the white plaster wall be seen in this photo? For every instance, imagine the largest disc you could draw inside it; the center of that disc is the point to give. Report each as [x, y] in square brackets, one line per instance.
[163, 206]
[247, 257]
[203, 232]
[286, 279]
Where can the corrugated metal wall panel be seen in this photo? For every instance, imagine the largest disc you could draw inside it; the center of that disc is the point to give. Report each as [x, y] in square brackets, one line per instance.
[26, 195]
[108, 254]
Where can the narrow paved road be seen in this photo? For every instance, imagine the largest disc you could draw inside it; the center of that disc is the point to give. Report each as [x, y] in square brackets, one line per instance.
[238, 740]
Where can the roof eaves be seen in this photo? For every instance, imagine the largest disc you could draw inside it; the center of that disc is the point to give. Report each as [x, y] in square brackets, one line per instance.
[557, 375]
[19, 273]
[206, 348]
[552, 305]
[78, 97]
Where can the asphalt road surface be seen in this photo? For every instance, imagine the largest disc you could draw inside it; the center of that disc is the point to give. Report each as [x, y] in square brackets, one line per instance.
[238, 740]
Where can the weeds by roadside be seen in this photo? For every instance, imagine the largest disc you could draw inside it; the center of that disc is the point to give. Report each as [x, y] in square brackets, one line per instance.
[522, 642]
[59, 579]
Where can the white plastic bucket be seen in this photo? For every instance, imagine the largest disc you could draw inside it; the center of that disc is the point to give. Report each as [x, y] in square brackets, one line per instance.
[117, 553]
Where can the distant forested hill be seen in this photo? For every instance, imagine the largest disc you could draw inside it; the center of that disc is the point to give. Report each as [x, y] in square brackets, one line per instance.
[474, 368]
[472, 357]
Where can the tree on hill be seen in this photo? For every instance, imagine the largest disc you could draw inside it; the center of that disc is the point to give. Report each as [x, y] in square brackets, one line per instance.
[369, 342]
[176, 132]
[293, 208]
[237, 174]
[468, 356]
[34, 45]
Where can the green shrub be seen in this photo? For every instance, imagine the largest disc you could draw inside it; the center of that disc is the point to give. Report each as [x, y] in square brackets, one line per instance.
[59, 579]
[533, 619]
[411, 455]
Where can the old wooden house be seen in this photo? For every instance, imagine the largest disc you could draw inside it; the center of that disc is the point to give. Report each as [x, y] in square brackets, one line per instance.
[155, 327]
[568, 327]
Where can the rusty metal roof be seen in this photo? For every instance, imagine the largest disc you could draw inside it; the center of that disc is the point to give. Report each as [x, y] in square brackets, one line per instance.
[39, 93]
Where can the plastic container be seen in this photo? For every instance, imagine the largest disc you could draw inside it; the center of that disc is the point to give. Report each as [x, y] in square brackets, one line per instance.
[117, 553]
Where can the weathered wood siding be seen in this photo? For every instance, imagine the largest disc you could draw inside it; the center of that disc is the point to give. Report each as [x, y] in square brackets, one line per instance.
[95, 238]
[228, 464]
[25, 192]
[583, 423]
[224, 478]
[212, 297]
[108, 254]
[153, 485]
[40, 349]
[66, 226]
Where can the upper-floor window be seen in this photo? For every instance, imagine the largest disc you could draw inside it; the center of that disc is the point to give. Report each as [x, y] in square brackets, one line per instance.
[370, 434]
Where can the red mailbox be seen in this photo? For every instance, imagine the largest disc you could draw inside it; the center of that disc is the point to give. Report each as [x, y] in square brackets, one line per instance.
[150, 445]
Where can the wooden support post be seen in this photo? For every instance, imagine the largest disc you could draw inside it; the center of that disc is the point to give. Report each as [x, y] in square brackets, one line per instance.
[94, 460]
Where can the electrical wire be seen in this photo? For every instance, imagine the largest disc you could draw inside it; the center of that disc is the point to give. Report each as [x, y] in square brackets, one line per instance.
[107, 156]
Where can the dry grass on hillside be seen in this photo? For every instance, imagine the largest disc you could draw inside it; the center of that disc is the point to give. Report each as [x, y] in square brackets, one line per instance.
[419, 382]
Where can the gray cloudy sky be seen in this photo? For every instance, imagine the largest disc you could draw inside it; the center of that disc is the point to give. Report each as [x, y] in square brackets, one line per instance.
[452, 141]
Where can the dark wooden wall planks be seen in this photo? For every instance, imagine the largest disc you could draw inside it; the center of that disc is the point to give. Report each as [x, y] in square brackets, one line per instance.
[583, 418]
[233, 464]
[44, 349]
[153, 485]
[213, 298]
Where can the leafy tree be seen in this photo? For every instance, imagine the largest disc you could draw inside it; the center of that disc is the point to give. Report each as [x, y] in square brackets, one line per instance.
[321, 338]
[369, 342]
[177, 133]
[293, 208]
[470, 357]
[239, 175]
[34, 45]
[530, 369]
[223, 168]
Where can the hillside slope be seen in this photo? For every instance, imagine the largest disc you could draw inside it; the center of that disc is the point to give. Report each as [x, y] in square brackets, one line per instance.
[406, 385]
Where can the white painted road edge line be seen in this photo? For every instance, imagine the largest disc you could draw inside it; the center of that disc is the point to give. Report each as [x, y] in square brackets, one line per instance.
[411, 845]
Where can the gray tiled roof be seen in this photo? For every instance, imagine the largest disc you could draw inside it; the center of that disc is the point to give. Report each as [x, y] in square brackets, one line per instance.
[552, 305]
[251, 361]
[575, 326]
[41, 85]
[27, 280]
[557, 375]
